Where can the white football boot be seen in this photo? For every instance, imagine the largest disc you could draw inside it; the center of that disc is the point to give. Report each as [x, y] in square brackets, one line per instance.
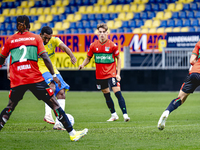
[113, 118]
[162, 120]
[126, 118]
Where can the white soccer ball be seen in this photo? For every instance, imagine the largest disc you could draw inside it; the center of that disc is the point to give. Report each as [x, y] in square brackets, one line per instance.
[71, 118]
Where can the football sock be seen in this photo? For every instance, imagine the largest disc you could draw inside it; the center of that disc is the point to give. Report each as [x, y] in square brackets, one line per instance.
[121, 102]
[109, 102]
[62, 105]
[6, 113]
[175, 103]
[72, 133]
[47, 110]
[62, 117]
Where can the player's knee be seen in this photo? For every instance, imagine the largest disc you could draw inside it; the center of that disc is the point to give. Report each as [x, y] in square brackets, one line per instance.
[61, 94]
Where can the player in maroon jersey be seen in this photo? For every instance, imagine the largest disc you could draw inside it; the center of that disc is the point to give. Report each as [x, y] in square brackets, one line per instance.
[105, 52]
[24, 48]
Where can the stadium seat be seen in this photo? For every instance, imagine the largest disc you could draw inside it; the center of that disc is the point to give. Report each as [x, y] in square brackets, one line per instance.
[19, 11]
[55, 32]
[176, 29]
[155, 6]
[33, 18]
[182, 14]
[147, 24]
[132, 23]
[184, 29]
[48, 18]
[86, 24]
[39, 11]
[93, 24]
[107, 2]
[129, 16]
[79, 25]
[152, 30]
[156, 23]
[58, 3]
[170, 23]
[70, 18]
[162, 6]
[193, 6]
[26, 11]
[179, 7]
[106, 16]
[128, 30]
[111, 9]
[110, 24]
[84, 17]
[137, 30]
[186, 22]
[117, 24]
[140, 8]
[7, 19]
[82, 9]
[96, 9]
[175, 15]
[89, 9]
[197, 14]
[24, 4]
[169, 29]
[189, 14]
[5, 12]
[91, 16]
[100, 2]
[113, 16]
[121, 16]
[2, 18]
[35, 26]
[171, 7]
[41, 19]
[143, 15]
[125, 24]
[61, 32]
[65, 25]
[126, 8]
[194, 22]
[118, 8]
[151, 15]
[178, 23]
[77, 17]
[62, 17]
[12, 12]
[167, 15]
[2, 27]
[46, 11]
[136, 15]
[98, 16]
[33, 11]
[72, 25]
[121, 30]
[160, 30]
[159, 15]
[104, 9]
[139, 23]
[51, 24]
[133, 8]
[89, 31]
[30, 4]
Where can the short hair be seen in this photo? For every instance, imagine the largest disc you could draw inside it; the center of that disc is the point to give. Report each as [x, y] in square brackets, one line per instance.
[102, 25]
[47, 30]
[23, 23]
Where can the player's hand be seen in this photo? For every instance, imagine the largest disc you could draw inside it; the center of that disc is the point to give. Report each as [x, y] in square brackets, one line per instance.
[118, 77]
[80, 67]
[73, 60]
[57, 81]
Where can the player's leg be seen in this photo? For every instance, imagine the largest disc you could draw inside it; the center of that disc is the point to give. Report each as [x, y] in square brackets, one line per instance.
[15, 95]
[43, 92]
[190, 84]
[117, 90]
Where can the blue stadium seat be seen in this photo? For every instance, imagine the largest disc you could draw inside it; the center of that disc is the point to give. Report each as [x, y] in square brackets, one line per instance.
[139, 23]
[86, 24]
[178, 23]
[163, 23]
[17, 4]
[162, 6]
[98, 16]
[44, 4]
[113, 31]
[128, 1]
[148, 7]
[136, 16]
[67, 31]
[191, 29]
[56, 18]
[51, 24]
[175, 15]
[67, 10]
[75, 31]
[92, 2]
[14, 26]
[132, 23]
[143, 15]
[50, 3]
[128, 30]
[72, 3]
[13, 18]
[197, 29]
[115, 2]
[4, 5]
[182, 14]
[86, 2]
[72, 25]
[79, 2]
[125, 24]
[10, 32]
[3, 32]
[113, 16]
[79, 25]
[7, 20]
[74, 9]
[189, 14]
[186, 22]
[89, 31]
[93, 24]
[151, 14]
[170, 23]
[82, 31]
[38, 4]
[8, 26]
[10, 4]
[193, 6]
[197, 14]
[84, 17]
[43, 25]
[61, 32]
[186, 7]
[62, 17]
[152, 1]
[91, 16]
[155, 7]
[159, 1]
[106, 16]
[33, 18]
[194, 22]
[2, 27]
[121, 30]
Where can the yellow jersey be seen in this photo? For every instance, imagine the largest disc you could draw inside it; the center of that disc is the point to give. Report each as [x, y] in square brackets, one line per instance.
[50, 48]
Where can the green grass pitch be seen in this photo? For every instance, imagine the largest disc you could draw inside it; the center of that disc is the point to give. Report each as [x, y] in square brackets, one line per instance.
[26, 129]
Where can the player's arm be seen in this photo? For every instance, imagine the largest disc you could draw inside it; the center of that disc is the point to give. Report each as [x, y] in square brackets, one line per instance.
[66, 49]
[49, 65]
[118, 77]
[193, 59]
[85, 62]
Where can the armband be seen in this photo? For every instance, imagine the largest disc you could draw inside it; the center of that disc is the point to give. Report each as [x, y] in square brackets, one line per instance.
[54, 75]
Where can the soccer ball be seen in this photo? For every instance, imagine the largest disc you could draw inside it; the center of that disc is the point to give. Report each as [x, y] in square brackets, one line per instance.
[71, 119]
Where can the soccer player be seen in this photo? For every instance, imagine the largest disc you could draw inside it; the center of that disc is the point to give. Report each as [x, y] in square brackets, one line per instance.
[105, 52]
[190, 84]
[25, 75]
[50, 44]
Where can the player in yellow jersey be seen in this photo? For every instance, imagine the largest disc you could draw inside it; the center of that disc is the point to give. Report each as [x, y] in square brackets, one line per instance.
[50, 43]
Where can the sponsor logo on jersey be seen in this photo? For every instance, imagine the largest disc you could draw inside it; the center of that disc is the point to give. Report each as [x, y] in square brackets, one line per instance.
[23, 39]
[23, 67]
[107, 49]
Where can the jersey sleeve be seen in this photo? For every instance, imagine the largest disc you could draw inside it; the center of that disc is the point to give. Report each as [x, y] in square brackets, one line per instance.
[196, 49]
[90, 51]
[57, 41]
[40, 45]
[5, 50]
[115, 50]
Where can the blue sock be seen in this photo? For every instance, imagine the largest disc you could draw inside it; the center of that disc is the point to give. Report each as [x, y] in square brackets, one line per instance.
[175, 103]
[62, 117]
[121, 102]
[109, 102]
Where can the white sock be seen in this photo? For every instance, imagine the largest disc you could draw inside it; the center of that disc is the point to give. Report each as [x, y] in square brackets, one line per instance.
[72, 133]
[62, 105]
[47, 110]
[114, 114]
[125, 115]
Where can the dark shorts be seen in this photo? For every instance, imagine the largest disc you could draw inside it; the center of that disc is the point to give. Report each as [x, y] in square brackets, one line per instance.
[105, 83]
[192, 81]
[41, 91]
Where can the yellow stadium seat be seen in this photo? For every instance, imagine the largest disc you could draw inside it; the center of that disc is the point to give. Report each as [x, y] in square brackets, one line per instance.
[77, 17]
[41, 19]
[121, 16]
[100, 2]
[178, 7]
[184, 29]
[65, 25]
[31, 4]
[46, 10]
[184, 1]
[176, 29]
[152, 30]
[137, 30]
[156, 23]
[2, 19]
[55, 32]
[169, 29]
[171, 7]
[126, 8]
[54, 11]
[58, 26]
[82, 9]
[31, 26]
[118, 8]
[117, 24]
[65, 2]
[104, 9]
[96, 9]
[12, 12]
[26, 11]
[40, 11]
[144, 30]
[160, 30]
[167, 15]
[33, 11]
[144, 1]
[58, 3]
[48, 18]
[129, 16]
[159, 15]
[133, 8]
[111, 8]
[36, 26]
[19, 11]
[147, 24]
[141, 8]
[61, 10]
[24, 4]
[136, 2]
[5, 12]
[107, 2]
[89, 9]
[110, 24]
[70, 18]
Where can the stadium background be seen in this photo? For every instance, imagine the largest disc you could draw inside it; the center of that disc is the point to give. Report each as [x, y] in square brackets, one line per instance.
[138, 24]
